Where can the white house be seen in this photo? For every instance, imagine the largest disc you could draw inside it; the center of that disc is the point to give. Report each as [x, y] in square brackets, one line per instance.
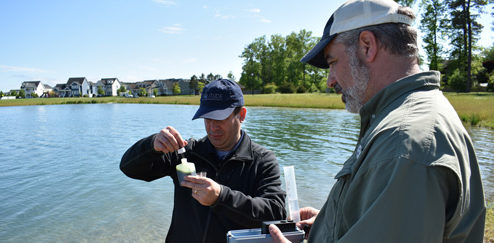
[110, 86]
[31, 87]
[79, 87]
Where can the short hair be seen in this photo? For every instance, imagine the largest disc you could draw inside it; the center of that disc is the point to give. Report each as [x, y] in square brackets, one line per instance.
[237, 110]
[397, 38]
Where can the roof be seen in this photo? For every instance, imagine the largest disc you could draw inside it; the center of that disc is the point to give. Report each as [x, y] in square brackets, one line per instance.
[27, 84]
[107, 81]
[79, 80]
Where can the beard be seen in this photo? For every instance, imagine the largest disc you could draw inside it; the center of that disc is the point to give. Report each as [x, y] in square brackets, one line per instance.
[355, 95]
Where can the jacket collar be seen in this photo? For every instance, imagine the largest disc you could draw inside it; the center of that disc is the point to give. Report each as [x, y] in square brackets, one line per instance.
[242, 152]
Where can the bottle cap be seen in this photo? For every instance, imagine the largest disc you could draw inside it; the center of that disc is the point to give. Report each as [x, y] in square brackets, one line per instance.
[181, 150]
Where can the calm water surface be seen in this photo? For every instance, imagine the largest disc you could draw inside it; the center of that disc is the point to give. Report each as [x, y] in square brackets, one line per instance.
[59, 166]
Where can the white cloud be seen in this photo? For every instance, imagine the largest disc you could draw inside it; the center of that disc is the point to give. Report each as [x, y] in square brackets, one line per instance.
[254, 10]
[174, 29]
[264, 20]
[165, 2]
[5, 68]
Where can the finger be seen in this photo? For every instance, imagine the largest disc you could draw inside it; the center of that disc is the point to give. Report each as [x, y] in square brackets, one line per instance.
[169, 139]
[276, 234]
[176, 135]
[197, 180]
[161, 142]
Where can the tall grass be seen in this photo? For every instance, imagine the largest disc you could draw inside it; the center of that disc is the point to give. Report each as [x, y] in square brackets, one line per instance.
[476, 109]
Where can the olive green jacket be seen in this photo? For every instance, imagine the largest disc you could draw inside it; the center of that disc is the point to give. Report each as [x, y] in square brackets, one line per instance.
[413, 176]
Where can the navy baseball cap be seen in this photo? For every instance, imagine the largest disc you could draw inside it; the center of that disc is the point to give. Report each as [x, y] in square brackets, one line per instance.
[218, 100]
[354, 14]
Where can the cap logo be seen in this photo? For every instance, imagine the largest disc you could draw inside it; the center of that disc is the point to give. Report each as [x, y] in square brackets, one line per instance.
[213, 96]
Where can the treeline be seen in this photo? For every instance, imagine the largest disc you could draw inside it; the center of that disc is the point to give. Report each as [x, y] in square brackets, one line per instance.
[274, 65]
[450, 31]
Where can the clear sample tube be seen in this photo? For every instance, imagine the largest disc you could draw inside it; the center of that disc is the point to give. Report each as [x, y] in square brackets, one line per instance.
[291, 193]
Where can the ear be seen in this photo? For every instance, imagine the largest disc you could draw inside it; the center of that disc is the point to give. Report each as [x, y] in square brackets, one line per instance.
[368, 46]
[242, 114]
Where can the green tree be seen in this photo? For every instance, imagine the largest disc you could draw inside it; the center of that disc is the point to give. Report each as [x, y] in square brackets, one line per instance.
[22, 93]
[251, 77]
[121, 90]
[230, 76]
[142, 92]
[193, 85]
[407, 3]
[210, 78]
[13, 93]
[200, 86]
[432, 23]
[464, 33]
[100, 91]
[176, 89]
[33, 95]
[1, 94]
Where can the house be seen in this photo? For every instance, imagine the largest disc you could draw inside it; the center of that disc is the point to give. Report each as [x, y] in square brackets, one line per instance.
[184, 85]
[149, 86]
[33, 87]
[61, 90]
[79, 87]
[131, 88]
[109, 86]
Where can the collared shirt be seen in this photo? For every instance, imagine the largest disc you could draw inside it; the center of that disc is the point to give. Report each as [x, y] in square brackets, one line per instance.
[413, 176]
[223, 154]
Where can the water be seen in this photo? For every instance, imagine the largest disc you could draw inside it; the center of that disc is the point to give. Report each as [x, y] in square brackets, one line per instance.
[59, 166]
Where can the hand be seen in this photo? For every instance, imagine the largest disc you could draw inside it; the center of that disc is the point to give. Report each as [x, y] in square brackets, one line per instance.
[307, 217]
[204, 190]
[277, 235]
[168, 140]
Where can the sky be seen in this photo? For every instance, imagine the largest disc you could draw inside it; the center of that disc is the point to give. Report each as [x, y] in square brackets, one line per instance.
[135, 40]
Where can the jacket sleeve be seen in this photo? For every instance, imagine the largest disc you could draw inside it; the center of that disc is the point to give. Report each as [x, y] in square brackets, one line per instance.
[142, 162]
[268, 202]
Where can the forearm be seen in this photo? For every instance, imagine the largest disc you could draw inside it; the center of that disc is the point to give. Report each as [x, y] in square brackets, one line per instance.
[142, 162]
[252, 210]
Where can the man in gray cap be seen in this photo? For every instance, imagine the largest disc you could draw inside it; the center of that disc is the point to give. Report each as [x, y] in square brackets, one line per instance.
[242, 187]
[413, 176]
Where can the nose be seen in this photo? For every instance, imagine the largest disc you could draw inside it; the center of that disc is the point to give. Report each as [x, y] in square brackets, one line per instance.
[331, 80]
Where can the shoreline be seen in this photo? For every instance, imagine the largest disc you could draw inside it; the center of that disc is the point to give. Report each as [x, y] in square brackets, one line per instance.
[474, 109]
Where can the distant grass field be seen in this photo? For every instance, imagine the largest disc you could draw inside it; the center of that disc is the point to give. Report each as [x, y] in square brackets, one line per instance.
[476, 109]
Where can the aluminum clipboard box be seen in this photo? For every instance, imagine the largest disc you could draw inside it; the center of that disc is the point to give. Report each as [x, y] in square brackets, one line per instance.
[255, 236]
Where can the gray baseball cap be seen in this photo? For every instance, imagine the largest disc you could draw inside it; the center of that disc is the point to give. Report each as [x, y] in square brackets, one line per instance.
[354, 14]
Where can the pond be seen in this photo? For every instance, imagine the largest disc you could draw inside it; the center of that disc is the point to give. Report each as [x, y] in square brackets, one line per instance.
[60, 179]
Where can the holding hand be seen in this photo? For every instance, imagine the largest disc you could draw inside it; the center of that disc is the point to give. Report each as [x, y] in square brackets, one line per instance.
[168, 140]
[307, 217]
[204, 190]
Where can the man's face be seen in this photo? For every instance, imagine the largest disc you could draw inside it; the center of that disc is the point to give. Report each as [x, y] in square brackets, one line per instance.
[224, 134]
[348, 75]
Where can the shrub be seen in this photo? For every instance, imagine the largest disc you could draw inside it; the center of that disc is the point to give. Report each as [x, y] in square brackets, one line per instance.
[301, 89]
[287, 88]
[270, 88]
[457, 81]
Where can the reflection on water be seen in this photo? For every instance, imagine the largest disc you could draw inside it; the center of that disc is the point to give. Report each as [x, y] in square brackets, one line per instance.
[483, 141]
[60, 181]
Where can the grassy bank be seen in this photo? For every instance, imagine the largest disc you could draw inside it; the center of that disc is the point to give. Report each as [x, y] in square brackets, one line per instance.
[475, 109]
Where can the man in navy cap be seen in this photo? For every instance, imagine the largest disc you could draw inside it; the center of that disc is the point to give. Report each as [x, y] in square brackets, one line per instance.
[242, 187]
[413, 176]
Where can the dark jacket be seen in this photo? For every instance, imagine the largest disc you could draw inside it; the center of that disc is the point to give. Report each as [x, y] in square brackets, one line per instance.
[250, 187]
